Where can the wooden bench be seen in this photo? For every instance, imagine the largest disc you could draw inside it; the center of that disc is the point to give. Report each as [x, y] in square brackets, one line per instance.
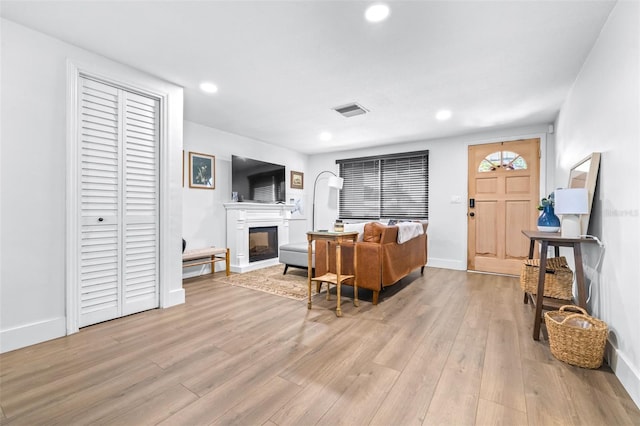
[211, 255]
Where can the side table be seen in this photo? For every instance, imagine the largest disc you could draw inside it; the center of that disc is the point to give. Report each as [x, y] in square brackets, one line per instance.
[554, 239]
[337, 278]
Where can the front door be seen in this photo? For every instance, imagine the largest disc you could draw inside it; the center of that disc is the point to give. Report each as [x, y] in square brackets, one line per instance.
[503, 198]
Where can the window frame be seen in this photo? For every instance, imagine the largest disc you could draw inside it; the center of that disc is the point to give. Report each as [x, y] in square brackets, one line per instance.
[367, 189]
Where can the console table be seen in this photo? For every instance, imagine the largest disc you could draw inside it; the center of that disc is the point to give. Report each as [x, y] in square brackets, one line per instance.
[554, 239]
[337, 278]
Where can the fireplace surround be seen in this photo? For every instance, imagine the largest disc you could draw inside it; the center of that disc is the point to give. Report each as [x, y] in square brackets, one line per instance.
[241, 218]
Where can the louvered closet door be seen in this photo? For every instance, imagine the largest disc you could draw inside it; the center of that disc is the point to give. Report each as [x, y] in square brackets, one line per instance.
[99, 133]
[118, 203]
[141, 204]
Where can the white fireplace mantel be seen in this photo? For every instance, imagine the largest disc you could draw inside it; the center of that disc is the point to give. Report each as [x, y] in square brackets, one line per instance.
[241, 217]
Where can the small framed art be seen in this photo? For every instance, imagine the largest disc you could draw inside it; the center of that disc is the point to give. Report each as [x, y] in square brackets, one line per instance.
[297, 180]
[202, 171]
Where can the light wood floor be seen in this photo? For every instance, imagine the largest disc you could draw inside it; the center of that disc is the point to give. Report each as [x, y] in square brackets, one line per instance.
[446, 348]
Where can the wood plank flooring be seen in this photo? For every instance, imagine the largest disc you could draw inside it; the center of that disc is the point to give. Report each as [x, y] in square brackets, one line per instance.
[448, 347]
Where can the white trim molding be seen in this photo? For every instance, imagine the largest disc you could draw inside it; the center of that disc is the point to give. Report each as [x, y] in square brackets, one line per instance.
[30, 334]
[624, 370]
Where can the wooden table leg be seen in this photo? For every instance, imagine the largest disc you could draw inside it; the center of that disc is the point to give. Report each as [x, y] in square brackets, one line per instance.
[582, 291]
[540, 295]
[532, 244]
[326, 260]
[338, 281]
[309, 267]
[356, 302]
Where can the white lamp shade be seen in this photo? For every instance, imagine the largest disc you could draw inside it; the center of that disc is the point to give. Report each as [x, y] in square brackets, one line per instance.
[571, 201]
[335, 182]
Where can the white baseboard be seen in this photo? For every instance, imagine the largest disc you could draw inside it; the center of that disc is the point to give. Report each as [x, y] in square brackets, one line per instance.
[38, 332]
[446, 264]
[241, 269]
[30, 334]
[625, 371]
[175, 297]
[196, 271]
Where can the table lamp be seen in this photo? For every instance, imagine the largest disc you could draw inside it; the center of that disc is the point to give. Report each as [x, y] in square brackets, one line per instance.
[571, 203]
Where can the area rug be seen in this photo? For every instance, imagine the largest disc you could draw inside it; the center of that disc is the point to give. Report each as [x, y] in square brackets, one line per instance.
[270, 280]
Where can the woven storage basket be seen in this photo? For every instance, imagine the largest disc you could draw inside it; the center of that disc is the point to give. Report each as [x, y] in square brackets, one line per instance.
[558, 279]
[577, 339]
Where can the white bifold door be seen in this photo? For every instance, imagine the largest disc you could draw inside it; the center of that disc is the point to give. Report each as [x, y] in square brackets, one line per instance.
[118, 181]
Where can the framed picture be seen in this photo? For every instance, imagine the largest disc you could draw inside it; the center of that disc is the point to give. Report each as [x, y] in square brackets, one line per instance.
[202, 171]
[297, 211]
[297, 180]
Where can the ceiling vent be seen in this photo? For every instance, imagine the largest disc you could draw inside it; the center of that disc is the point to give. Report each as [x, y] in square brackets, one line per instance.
[351, 109]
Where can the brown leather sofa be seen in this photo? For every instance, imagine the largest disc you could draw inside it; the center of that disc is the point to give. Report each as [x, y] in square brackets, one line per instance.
[381, 260]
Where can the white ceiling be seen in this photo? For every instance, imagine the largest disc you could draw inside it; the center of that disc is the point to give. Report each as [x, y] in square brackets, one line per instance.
[282, 65]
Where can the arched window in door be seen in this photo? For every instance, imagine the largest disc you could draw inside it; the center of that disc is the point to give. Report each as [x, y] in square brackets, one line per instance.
[506, 160]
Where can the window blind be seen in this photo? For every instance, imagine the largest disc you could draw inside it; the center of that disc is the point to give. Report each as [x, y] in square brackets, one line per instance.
[393, 186]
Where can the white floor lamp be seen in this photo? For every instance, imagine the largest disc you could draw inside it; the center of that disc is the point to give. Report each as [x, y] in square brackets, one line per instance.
[333, 182]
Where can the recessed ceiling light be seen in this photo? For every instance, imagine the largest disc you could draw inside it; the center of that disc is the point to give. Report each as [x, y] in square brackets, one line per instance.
[325, 136]
[208, 87]
[444, 114]
[377, 12]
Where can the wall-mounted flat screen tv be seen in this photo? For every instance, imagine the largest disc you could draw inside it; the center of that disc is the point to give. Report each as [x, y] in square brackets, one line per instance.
[257, 181]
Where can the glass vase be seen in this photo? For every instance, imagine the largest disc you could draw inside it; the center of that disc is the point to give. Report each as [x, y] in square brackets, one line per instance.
[548, 221]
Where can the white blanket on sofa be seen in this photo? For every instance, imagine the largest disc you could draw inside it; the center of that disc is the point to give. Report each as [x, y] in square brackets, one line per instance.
[408, 230]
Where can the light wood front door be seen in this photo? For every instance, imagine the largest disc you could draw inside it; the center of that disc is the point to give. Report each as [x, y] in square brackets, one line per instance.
[503, 199]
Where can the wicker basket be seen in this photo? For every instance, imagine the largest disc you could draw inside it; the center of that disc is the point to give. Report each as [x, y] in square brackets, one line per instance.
[558, 279]
[577, 339]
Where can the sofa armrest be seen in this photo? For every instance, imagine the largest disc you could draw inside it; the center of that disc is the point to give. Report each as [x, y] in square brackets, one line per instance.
[389, 235]
[369, 265]
[398, 260]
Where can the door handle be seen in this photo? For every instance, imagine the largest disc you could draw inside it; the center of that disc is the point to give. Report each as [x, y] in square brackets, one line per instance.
[472, 214]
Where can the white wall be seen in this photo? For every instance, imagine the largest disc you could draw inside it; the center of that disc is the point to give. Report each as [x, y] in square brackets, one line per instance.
[447, 178]
[204, 215]
[602, 114]
[33, 183]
